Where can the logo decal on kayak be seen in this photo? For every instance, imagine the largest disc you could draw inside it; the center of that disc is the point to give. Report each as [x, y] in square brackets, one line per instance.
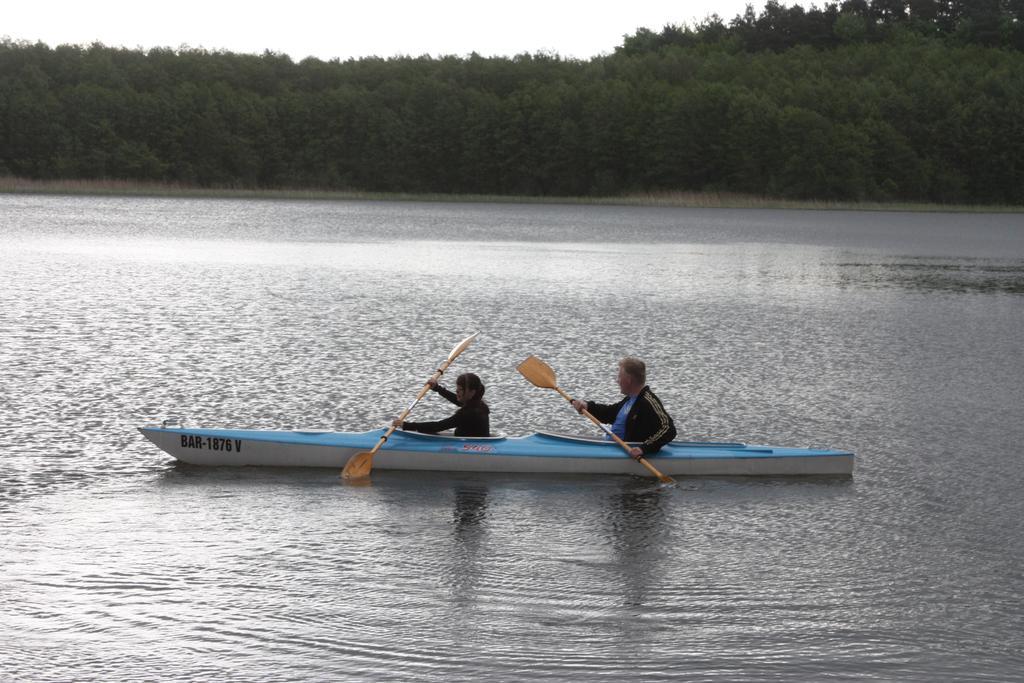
[468, 448]
[211, 443]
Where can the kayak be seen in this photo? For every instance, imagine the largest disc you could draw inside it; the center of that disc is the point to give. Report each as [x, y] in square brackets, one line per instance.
[539, 452]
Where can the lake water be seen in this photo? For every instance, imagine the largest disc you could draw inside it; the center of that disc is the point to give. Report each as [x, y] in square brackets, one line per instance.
[895, 335]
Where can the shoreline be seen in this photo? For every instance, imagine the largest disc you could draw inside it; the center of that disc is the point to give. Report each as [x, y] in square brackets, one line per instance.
[691, 200]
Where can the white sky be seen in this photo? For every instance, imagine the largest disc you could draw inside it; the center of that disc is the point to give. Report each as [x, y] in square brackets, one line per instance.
[343, 29]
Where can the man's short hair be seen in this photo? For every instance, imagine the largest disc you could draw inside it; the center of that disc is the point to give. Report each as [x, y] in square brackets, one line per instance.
[635, 368]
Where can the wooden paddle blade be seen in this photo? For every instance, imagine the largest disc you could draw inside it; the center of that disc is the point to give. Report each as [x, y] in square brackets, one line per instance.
[538, 373]
[358, 466]
[667, 480]
[461, 346]
[663, 478]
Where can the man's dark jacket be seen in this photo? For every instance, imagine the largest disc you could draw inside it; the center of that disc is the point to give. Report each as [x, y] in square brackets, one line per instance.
[647, 423]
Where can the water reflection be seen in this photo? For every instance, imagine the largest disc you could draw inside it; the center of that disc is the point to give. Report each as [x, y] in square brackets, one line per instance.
[637, 531]
[469, 511]
[962, 276]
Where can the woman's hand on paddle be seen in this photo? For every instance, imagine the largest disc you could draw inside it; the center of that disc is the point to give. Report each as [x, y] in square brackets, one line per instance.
[579, 405]
[636, 453]
[397, 423]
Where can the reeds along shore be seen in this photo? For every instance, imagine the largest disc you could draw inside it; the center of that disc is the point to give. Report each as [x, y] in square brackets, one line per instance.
[697, 200]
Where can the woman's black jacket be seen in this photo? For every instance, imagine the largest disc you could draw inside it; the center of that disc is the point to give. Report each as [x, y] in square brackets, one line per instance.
[472, 419]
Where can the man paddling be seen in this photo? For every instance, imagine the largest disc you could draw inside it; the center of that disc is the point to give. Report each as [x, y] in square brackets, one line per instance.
[639, 416]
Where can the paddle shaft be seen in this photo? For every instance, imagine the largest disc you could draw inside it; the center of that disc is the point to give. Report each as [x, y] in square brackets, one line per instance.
[625, 446]
[405, 413]
[360, 464]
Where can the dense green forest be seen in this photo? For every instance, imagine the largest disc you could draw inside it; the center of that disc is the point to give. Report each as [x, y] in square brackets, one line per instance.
[892, 100]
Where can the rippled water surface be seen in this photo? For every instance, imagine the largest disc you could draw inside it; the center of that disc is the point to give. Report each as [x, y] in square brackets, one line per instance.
[897, 336]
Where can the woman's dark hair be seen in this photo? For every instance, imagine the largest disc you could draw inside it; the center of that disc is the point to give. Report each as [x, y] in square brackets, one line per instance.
[469, 381]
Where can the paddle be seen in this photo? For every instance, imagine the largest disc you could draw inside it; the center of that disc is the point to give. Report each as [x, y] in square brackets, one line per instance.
[541, 375]
[360, 464]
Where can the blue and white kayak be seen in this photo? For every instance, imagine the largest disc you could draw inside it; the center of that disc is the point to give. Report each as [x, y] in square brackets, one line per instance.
[540, 452]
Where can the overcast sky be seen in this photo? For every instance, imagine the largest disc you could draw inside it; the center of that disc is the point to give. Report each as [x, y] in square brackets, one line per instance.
[341, 29]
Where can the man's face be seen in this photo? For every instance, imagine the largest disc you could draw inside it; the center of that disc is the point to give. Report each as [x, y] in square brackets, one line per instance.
[626, 383]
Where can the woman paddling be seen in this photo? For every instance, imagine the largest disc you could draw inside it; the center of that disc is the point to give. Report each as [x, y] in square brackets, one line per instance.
[471, 419]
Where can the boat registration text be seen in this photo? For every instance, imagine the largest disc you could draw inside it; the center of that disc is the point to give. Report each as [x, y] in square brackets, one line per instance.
[211, 443]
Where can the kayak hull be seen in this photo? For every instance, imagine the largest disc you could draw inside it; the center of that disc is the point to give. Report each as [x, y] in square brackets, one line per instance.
[535, 453]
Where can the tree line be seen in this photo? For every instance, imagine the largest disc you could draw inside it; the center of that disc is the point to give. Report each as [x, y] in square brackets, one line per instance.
[887, 100]
[993, 23]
